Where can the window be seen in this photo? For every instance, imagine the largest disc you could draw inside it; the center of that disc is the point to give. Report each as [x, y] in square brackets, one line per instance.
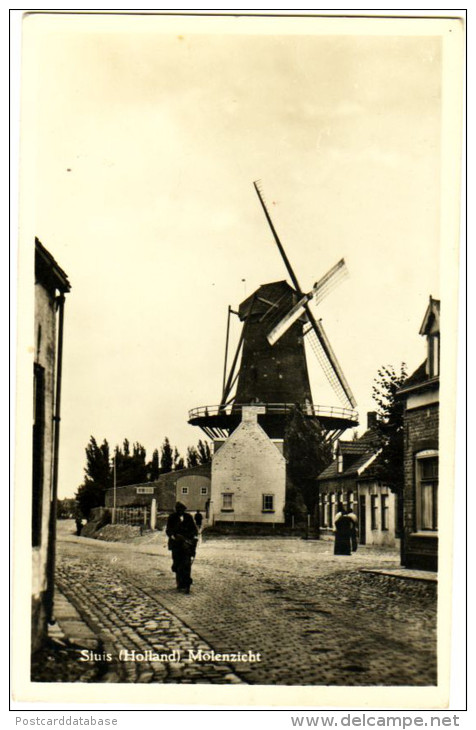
[227, 505]
[373, 511]
[427, 490]
[268, 503]
[325, 510]
[384, 511]
[203, 490]
[145, 490]
[184, 490]
[330, 513]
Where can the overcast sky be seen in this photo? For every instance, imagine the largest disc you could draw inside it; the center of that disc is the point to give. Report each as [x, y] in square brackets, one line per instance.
[147, 135]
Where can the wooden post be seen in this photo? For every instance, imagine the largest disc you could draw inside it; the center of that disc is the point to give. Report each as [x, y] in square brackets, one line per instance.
[153, 514]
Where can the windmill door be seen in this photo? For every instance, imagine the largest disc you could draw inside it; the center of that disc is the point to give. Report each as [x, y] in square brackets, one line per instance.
[362, 521]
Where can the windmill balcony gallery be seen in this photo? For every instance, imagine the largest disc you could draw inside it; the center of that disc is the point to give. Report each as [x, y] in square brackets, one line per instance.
[219, 420]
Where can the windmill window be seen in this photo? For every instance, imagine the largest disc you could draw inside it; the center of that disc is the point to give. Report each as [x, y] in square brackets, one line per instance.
[227, 502]
[268, 503]
[184, 490]
[203, 490]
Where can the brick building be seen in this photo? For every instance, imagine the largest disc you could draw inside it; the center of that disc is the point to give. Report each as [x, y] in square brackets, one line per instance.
[421, 420]
[248, 475]
[51, 284]
[190, 486]
[353, 479]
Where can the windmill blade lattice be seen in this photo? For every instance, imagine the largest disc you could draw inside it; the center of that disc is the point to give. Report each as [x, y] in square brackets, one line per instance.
[337, 274]
[326, 366]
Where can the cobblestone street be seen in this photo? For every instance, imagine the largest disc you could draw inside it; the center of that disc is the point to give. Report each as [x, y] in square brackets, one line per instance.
[313, 618]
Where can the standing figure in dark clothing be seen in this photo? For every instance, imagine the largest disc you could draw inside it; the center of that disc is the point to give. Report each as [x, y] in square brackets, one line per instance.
[182, 533]
[198, 519]
[343, 525]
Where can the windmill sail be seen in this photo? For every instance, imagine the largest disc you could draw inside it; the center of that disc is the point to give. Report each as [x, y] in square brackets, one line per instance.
[321, 347]
[318, 338]
[330, 280]
[319, 291]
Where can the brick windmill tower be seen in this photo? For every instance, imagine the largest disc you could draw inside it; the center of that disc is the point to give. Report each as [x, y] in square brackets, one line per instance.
[272, 371]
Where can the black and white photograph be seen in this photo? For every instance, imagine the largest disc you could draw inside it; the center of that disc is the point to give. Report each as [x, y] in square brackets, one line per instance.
[238, 282]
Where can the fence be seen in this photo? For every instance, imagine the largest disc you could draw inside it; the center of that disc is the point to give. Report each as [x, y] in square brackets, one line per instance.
[131, 515]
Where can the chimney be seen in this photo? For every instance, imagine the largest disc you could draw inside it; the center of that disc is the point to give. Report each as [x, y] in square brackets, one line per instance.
[371, 420]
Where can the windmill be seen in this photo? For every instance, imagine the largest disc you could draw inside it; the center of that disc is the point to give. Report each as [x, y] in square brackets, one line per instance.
[277, 319]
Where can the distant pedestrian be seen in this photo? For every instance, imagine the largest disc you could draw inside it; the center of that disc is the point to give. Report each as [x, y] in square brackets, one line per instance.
[353, 534]
[198, 519]
[79, 525]
[343, 532]
[207, 508]
[182, 533]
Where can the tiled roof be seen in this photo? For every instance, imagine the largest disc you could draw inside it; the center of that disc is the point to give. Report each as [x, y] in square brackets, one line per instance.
[352, 447]
[363, 449]
[329, 472]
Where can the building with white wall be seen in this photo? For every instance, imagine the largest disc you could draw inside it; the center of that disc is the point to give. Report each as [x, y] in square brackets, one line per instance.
[248, 475]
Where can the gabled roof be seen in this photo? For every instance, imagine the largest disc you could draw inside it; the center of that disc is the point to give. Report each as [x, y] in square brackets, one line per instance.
[48, 271]
[364, 451]
[431, 320]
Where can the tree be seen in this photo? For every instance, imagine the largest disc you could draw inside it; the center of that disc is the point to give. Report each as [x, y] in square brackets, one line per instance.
[153, 469]
[178, 461]
[389, 425]
[204, 455]
[166, 457]
[98, 477]
[192, 457]
[390, 431]
[307, 453]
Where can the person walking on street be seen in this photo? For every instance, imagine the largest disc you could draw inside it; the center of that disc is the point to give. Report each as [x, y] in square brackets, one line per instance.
[182, 533]
[343, 530]
[198, 519]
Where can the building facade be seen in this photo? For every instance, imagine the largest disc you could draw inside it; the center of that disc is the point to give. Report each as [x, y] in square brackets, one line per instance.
[420, 393]
[353, 479]
[248, 475]
[190, 486]
[51, 285]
